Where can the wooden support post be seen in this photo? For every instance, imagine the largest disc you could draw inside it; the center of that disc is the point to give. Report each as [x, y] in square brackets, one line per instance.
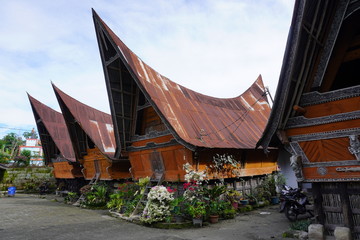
[318, 209]
[345, 203]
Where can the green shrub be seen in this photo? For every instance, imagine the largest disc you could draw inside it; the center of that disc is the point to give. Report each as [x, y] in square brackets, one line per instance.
[229, 213]
[116, 202]
[71, 197]
[97, 196]
[301, 225]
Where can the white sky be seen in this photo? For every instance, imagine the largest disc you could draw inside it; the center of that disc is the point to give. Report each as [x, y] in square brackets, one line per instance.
[215, 47]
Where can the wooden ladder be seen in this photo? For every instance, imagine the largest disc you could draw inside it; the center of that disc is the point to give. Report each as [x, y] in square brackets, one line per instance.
[155, 180]
[92, 182]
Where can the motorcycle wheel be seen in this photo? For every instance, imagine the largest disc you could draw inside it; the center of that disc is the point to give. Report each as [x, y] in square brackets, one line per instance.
[290, 214]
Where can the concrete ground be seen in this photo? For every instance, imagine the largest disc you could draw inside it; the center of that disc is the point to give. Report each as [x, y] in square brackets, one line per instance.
[30, 217]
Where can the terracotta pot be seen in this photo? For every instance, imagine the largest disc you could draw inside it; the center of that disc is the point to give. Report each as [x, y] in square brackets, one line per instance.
[214, 218]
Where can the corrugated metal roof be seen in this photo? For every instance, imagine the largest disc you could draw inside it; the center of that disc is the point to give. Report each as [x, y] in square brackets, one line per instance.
[96, 124]
[55, 126]
[197, 119]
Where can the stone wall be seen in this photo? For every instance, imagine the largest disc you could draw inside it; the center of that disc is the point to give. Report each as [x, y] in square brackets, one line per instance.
[28, 178]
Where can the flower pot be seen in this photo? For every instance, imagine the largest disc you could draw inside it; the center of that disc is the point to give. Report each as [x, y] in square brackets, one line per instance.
[274, 200]
[252, 202]
[235, 205]
[214, 218]
[197, 222]
[244, 202]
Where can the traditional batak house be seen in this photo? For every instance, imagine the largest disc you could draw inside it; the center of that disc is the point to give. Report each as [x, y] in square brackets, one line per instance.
[316, 113]
[57, 147]
[160, 125]
[92, 137]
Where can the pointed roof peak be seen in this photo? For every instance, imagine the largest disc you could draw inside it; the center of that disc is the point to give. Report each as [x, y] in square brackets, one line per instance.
[54, 124]
[96, 124]
[192, 117]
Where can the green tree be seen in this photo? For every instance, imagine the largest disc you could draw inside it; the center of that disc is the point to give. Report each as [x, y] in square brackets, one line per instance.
[23, 160]
[31, 134]
[26, 153]
[11, 143]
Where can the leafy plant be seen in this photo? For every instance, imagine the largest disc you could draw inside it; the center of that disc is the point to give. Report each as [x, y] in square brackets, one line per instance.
[177, 205]
[224, 165]
[71, 197]
[233, 195]
[131, 205]
[269, 185]
[97, 197]
[214, 193]
[116, 201]
[197, 210]
[30, 186]
[214, 208]
[301, 225]
[229, 213]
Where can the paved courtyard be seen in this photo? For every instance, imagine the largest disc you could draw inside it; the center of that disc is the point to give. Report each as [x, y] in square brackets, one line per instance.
[30, 217]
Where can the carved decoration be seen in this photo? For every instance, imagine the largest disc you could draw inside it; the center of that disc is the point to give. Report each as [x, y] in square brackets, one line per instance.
[355, 146]
[325, 135]
[332, 180]
[59, 159]
[348, 169]
[152, 145]
[298, 151]
[331, 164]
[322, 171]
[313, 98]
[150, 135]
[296, 165]
[301, 121]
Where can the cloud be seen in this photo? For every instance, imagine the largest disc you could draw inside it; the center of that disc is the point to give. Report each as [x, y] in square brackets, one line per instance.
[217, 48]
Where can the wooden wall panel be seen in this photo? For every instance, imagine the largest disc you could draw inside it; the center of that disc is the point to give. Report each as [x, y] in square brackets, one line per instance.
[63, 170]
[329, 173]
[334, 107]
[151, 121]
[108, 169]
[327, 150]
[324, 127]
[173, 158]
[255, 161]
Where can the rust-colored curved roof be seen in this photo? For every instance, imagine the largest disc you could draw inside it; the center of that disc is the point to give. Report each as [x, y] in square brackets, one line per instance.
[55, 126]
[96, 124]
[197, 119]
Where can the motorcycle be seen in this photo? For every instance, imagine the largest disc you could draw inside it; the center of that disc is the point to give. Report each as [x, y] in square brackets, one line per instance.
[293, 202]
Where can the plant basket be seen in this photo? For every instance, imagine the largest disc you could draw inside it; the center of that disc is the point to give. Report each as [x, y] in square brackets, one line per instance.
[179, 219]
[197, 222]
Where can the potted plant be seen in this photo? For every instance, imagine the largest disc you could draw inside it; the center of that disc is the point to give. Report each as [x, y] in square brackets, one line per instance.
[176, 208]
[214, 211]
[233, 196]
[252, 199]
[270, 185]
[197, 210]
